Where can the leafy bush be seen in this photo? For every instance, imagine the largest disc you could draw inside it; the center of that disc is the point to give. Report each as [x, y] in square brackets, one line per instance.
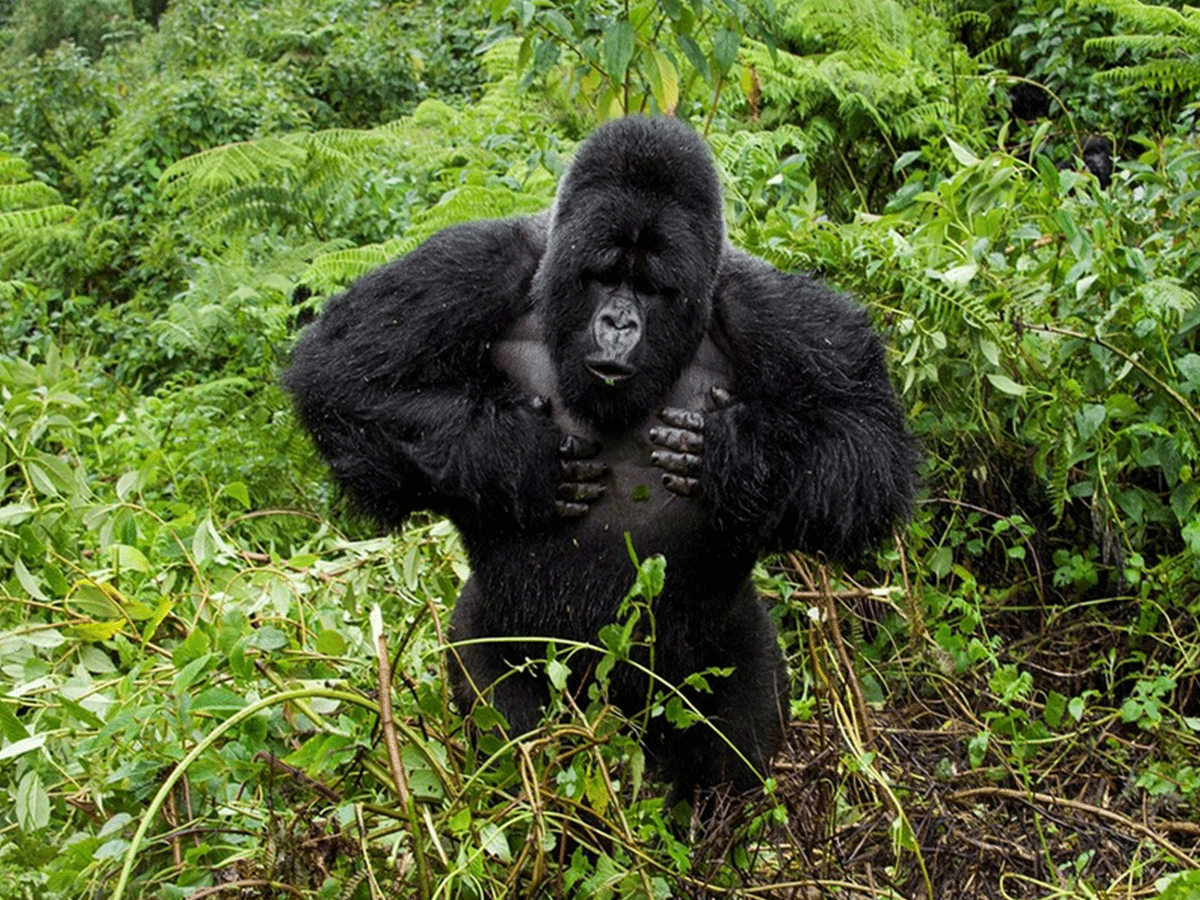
[189, 680]
[90, 25]
[864, 84]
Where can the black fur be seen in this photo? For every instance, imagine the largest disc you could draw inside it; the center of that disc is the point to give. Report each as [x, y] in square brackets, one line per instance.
[611, 366]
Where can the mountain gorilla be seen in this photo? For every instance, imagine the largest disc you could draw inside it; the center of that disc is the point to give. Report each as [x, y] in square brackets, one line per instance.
[610, 367]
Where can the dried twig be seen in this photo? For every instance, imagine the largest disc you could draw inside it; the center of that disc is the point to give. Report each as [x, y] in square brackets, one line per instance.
[1098, 811]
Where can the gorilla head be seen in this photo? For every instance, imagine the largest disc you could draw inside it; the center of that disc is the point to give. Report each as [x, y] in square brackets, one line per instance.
[635, 241]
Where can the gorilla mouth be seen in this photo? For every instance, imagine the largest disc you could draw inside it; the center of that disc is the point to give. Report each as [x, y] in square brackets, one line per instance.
[608, 371]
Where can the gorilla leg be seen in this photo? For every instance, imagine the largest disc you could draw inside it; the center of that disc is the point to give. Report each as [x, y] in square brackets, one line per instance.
[485, 671]
[749, 707]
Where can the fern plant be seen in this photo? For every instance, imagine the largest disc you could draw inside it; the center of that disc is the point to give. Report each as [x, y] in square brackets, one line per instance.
[284, 181]
[35, 225]
[865, 82]
[1171, 36]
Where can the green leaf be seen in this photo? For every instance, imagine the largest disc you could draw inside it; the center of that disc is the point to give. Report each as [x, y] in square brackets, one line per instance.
[1006, 385]
[960, 276]
[330, 643]
[666, 94]
[1076, 707]
[1056, 705]
[904, 159]
[559, 24]
[128, 483]
[10, 725]
[1089, 419]
[558, 673]
[269, 638]
[964, 156]
[618, 49]
[1179, 886]
[32, 803]
[15, 514]
[725, 48]
[1191, 535]
[27, 581]
[990, 351]
[494, 842]
[218, 698]
[25, 745]
[97, 631]
[689, 47]
[125, 557]
[238, 492]
[46, 638]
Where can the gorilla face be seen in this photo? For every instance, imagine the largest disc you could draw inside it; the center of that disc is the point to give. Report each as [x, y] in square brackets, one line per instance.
[625, 288]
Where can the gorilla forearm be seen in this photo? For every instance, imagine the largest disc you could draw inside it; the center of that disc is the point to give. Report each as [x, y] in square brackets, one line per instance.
[477, 460]
[834, 482]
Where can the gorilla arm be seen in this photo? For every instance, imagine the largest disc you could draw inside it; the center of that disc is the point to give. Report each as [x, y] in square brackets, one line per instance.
[811, 452]
[396, 384]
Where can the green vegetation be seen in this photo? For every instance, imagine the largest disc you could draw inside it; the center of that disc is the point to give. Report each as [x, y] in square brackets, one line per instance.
[1005, 702]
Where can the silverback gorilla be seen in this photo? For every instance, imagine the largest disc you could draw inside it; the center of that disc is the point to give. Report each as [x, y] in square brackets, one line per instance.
[609, 367]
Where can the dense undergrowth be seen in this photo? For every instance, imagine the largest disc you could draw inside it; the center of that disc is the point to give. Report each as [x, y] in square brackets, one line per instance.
[1003, 703]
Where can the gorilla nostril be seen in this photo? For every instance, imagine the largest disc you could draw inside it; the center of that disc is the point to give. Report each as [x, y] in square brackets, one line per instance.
[624, 323]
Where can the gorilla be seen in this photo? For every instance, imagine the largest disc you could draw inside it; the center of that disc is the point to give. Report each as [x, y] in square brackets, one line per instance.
[609, 370]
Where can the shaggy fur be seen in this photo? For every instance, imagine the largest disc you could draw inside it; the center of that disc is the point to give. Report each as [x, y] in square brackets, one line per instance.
[757, 415]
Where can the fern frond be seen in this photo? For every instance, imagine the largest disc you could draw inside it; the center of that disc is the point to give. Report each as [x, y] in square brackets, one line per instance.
[467, 203]
[1147, 17]
[970, 17]
[1062, 472]
[1172, 33]
[1144, 43]
[28, 194]
[950, 307]
[230, 165]
[13, 169]
[17, 220]
[1168, 74]
[251, 204]
[332, 271]
[10, 290]
[747, 153]
[993, 53]
[923, 119]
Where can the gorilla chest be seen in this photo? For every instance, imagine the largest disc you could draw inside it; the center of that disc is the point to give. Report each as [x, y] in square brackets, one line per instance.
[635, 500]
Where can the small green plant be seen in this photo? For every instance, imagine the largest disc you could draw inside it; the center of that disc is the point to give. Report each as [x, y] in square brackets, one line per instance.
[624, 57]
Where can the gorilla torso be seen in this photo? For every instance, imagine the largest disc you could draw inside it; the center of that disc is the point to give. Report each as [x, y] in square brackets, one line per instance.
[635, 499]
[592, 564]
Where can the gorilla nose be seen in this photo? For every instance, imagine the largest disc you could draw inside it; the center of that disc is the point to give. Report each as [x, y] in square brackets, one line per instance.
[617, 332]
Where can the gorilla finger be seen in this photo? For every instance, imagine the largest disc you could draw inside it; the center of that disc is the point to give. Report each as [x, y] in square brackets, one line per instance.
[575, 446]
[565, 510]
[684, 487]
[580, 490]
[583, 470]
[682, 418]
[679, 463]
[678, 439]
[721, 397]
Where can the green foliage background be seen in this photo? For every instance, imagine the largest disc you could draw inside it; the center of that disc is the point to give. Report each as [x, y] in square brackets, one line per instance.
[187, 670]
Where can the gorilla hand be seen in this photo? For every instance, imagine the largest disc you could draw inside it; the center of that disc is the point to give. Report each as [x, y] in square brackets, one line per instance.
[682, 442]
[579, 476]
